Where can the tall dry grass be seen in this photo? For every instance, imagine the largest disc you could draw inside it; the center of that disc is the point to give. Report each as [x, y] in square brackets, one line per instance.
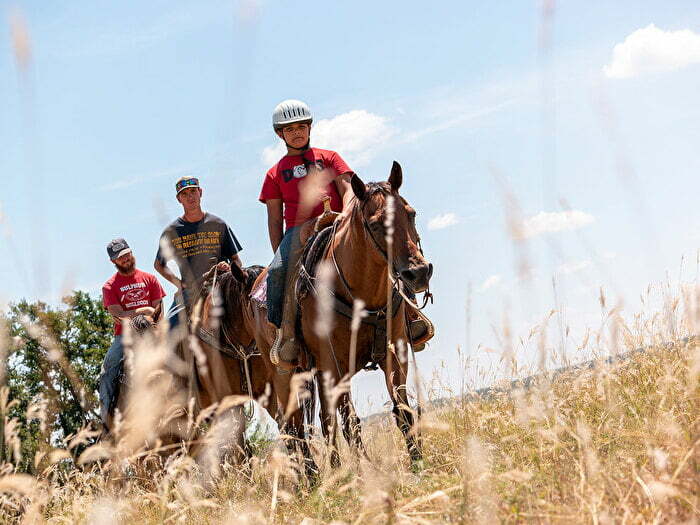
[614, 441]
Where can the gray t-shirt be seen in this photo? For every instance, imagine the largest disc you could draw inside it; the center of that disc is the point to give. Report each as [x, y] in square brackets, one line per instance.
[197, 246]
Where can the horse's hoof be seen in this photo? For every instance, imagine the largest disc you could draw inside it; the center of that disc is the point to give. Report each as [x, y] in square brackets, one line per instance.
[417, 465]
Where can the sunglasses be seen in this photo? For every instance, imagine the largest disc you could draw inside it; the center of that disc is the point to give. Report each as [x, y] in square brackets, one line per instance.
[186, 183]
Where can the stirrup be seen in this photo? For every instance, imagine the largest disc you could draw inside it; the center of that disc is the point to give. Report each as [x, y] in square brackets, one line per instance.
[275, 349]
[421, 331]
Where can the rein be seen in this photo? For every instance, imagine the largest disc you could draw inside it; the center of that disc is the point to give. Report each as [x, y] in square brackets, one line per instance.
[396, 280]
[374, 318]
[229, 348]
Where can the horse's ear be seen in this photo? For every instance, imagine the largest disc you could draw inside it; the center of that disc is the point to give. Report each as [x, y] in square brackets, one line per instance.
[396, 176]
[238, 273]
[358, 187]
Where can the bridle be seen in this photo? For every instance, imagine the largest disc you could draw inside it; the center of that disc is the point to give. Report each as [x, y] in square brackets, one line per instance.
[397, 281]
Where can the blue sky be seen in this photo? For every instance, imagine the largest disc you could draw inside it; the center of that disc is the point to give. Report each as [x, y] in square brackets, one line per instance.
[596, 145]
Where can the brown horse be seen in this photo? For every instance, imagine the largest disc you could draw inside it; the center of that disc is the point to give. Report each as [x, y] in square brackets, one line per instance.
[229, 368]
[359, 253]
[215, 369]
[366, 251]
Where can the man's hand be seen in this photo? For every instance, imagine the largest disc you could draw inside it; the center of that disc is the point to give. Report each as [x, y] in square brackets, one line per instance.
[223, 267]
[145, 310]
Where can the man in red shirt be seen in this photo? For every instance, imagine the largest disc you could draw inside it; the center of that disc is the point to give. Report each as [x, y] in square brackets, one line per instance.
[128, 293]
[293, 191]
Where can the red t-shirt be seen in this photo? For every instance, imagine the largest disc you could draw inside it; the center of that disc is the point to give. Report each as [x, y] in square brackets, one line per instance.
[131, 292]
[301, 181]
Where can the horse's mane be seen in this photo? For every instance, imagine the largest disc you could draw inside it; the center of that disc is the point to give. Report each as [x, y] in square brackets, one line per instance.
[374, 190]
[234, 292]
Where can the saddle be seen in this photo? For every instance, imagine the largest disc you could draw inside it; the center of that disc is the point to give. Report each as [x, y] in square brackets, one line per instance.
[222, 343]
[314, 252]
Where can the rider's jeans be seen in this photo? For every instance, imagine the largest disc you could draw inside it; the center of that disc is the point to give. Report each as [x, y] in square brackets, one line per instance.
[277, 276]
[109, 376]
[177, 312]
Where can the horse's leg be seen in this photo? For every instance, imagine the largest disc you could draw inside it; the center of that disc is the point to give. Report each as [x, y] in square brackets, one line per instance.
[352, 429]
[328, 420]
[396, 384]
[291, 422]
[297, 444]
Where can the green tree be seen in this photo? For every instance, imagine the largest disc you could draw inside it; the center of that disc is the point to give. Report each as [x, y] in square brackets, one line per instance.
[53, 367]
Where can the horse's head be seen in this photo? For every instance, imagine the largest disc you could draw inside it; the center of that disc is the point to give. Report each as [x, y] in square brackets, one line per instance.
[408, 261]
[232, 288]
[235, 287]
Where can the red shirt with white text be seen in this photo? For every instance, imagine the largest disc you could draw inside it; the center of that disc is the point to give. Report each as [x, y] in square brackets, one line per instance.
[131, 292]
[301, 181]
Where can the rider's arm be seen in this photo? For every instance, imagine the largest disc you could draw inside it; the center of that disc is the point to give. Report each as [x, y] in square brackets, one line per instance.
[167, 274]
[274, 222]
[342, 182]
[224, 266]
[229, 250]
[118, 312]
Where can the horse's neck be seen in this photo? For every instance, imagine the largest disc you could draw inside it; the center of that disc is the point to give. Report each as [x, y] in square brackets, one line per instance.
[362, 266]
[241, 336]
[248, 313]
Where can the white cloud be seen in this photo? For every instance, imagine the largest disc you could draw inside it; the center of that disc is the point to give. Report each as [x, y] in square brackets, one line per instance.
[490, 282]
[552, 222]
[443, 221]
[357, 135]
[272, 154]
[573, 266]
[653, 50]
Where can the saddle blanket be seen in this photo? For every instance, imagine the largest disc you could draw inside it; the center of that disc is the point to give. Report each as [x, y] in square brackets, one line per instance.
[259, 293]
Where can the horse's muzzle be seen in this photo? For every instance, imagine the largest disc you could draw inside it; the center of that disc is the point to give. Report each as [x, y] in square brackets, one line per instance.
[417, 276]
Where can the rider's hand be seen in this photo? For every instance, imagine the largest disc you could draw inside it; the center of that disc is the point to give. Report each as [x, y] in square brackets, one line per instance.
[223, 267]
[145, 310]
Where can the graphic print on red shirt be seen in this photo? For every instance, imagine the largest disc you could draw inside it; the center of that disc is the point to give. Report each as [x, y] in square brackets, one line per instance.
[301, 181]
[131, 292]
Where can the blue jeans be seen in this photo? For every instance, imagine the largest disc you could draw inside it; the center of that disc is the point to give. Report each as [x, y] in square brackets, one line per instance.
[277, 275]
[177, 310]
[178, 314]
[109, 376]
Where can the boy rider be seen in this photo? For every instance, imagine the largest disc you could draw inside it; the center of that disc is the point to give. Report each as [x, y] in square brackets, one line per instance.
[294, 190]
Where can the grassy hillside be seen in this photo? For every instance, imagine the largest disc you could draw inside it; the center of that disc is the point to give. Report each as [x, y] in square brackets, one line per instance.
[616, 443]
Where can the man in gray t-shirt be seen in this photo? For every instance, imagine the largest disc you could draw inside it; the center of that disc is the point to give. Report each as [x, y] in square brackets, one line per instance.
[195, 242]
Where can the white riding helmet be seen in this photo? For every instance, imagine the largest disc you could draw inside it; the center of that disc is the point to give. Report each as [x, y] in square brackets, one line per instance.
[289, 112]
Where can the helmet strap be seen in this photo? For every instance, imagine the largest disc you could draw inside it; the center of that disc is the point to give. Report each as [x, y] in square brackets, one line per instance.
[302, 150]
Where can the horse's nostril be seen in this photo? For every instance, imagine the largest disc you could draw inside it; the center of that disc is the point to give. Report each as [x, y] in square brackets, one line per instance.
[408, 275]
[430, 270]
